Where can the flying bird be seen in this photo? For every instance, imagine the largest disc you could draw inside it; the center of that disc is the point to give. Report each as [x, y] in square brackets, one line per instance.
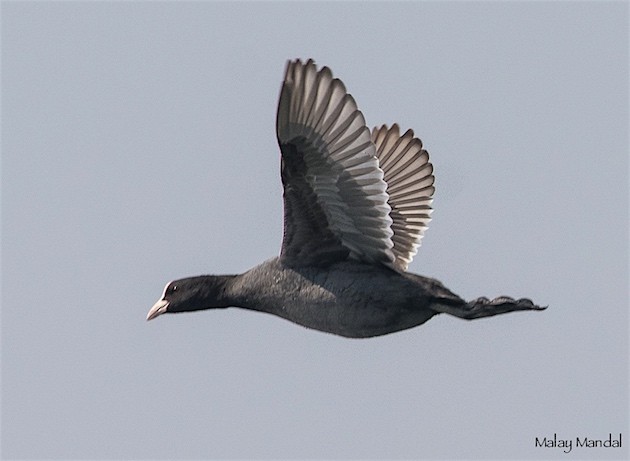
[356, 206]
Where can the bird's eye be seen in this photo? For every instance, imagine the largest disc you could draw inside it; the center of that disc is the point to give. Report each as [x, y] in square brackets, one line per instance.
[171, 289]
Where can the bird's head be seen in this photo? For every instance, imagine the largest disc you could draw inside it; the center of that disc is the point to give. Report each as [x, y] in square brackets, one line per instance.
[190, 294]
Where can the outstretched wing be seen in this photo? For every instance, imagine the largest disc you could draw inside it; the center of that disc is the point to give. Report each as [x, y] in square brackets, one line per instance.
[409, 177]
[335, 200]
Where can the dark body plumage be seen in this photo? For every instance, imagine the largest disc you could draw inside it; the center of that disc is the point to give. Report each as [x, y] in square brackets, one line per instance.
[356, 206]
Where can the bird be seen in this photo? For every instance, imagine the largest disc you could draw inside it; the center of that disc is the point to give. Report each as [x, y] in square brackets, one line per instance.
[357, 203]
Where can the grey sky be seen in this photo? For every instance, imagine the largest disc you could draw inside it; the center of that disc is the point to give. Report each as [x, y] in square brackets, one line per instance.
[138, 146]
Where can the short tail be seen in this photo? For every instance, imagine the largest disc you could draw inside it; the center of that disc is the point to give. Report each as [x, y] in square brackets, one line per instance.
[484, 307]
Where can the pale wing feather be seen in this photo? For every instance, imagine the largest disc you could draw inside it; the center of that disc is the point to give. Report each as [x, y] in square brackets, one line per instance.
[330, 165]
[409, 177]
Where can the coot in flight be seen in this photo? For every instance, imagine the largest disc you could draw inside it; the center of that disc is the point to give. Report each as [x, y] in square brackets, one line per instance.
[356, 205]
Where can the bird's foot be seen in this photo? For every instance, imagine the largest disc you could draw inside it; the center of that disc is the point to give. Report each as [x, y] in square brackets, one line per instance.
[484, 307]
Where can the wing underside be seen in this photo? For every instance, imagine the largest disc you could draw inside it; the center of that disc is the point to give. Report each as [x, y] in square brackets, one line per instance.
[348, 193]
[410, 187]
[334, 193]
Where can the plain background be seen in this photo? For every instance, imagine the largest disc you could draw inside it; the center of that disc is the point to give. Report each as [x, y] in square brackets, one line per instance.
[138, 146]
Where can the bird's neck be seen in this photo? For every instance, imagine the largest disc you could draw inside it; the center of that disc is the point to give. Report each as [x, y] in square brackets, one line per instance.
[216, 291]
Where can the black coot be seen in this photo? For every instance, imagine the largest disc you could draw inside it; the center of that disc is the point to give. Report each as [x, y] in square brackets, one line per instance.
[356, 205]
